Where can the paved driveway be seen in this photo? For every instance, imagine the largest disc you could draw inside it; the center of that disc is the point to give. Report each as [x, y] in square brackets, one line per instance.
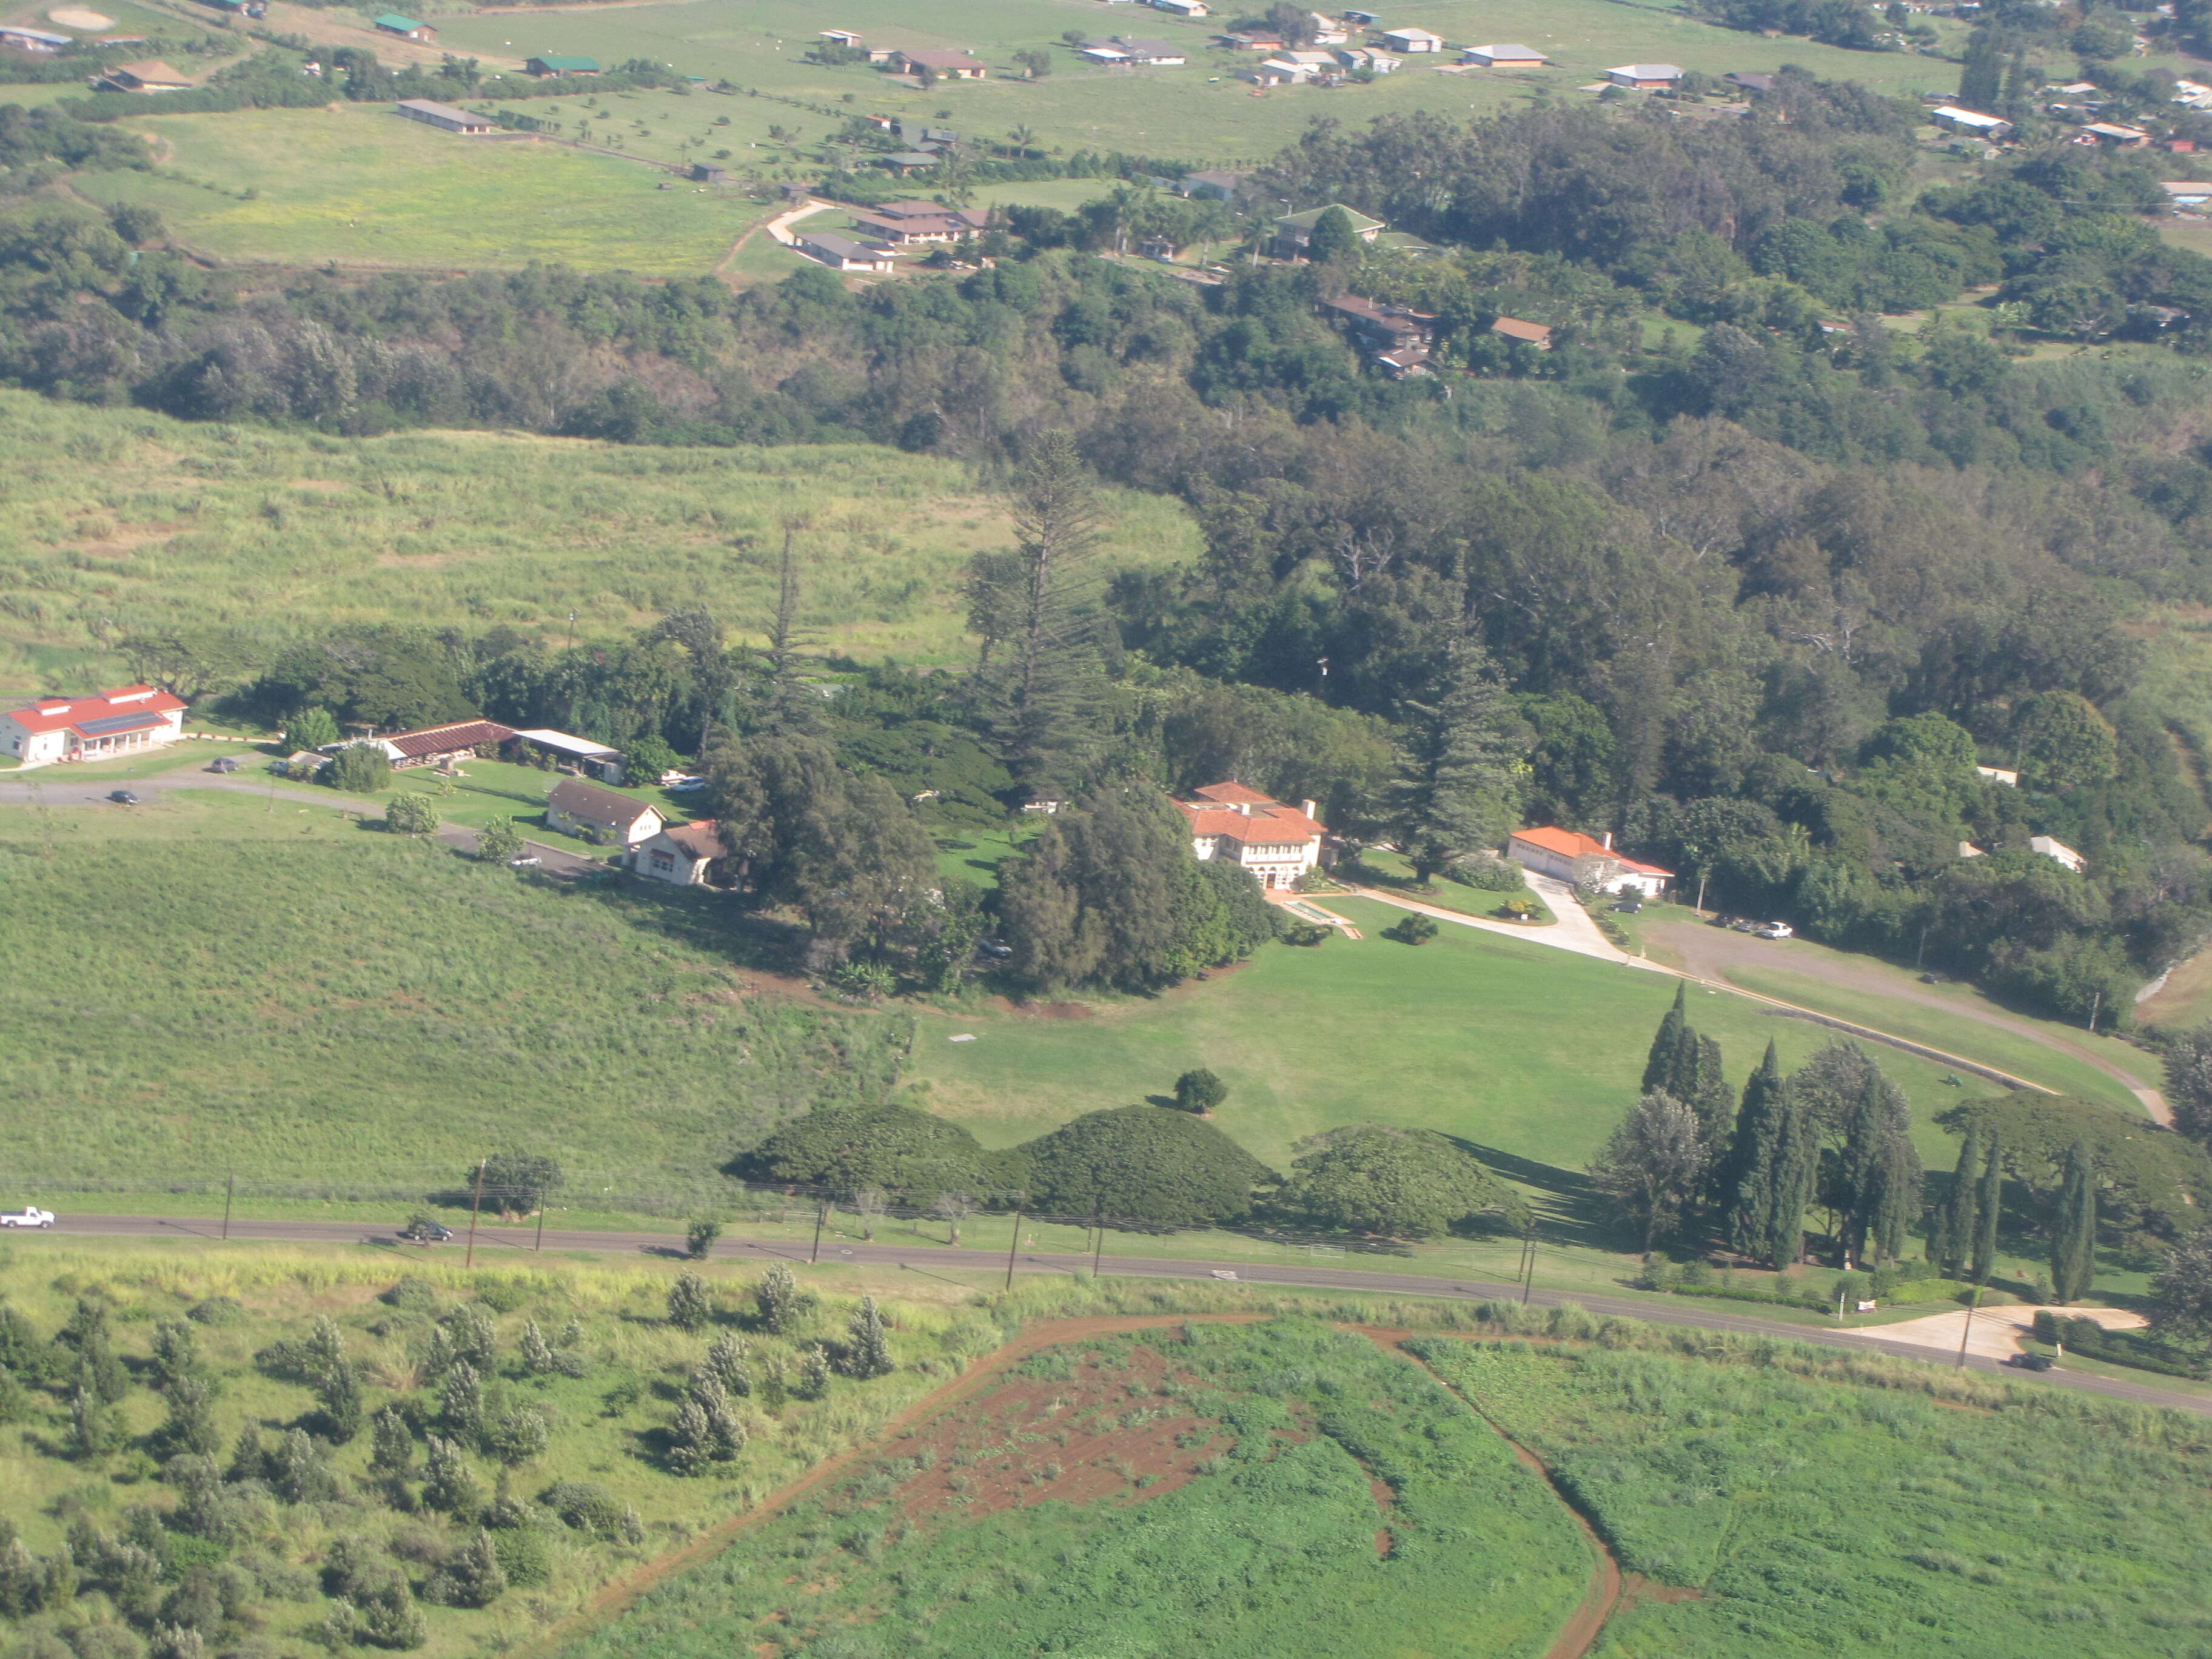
[1575, 930]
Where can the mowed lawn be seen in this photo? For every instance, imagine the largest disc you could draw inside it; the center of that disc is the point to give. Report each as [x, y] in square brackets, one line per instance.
[1198, 112]
[362, 186]
[152, 522]
[1528, 1050]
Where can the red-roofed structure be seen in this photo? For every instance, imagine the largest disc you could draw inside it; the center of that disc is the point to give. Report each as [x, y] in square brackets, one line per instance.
[1275, 843]
[432, 745]
[123, 721]
[1573, 856]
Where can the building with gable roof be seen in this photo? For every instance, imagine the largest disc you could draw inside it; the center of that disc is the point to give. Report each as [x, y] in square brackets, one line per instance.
[123, 721]
[1276, 843]
[1573, 856]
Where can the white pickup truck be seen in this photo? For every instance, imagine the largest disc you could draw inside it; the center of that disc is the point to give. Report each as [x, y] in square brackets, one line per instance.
[30, 1216]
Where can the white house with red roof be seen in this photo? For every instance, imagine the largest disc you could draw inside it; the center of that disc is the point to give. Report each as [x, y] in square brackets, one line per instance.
[119, 722]
[1575, 857]
[1275, 843]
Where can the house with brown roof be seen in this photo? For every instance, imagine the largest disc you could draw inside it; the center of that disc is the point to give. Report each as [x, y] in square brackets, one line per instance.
[945, 65]
[93, 727]
[151, 75]
[1276, 843]
[1586, 861]
[1515, 328]
[590, 813]
[687, 854]
[435, 745]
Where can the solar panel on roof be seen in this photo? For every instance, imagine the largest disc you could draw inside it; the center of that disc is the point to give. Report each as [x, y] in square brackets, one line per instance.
[108, 725]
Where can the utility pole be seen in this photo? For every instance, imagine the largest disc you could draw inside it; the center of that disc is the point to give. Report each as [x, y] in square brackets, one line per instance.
[476, 1203]
[540, 1224]
[1099, 1253]
[1014, 1243]
[1920, 955]
[1528, 1265]
[1966, 1333]
[821, 1214]
[2096, 1007]
[229, 1191]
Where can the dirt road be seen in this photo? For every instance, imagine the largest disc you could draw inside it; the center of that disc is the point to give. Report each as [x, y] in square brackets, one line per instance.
[1710, 952]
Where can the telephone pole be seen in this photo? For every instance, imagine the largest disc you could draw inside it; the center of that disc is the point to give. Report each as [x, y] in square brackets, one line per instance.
[1013, 1244]
[476, 1203]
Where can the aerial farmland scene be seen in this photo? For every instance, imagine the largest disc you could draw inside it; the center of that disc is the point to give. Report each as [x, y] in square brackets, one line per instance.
[1128, 829]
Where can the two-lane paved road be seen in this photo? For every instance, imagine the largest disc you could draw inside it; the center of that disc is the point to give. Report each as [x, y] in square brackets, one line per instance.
[492, 1246]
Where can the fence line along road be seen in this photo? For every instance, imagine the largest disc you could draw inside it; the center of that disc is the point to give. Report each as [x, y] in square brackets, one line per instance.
[929, 1258]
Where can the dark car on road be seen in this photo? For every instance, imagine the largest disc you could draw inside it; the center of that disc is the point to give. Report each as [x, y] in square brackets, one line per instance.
[122, 797]
[421, 1229]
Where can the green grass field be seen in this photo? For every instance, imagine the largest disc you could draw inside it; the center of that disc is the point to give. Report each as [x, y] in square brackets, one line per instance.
[604, 1424]
[292, 995]
[138, 520]
[1198, 112]
[1530, 1051]
[1807, 1515]
[356, 184]
[1222, 1492]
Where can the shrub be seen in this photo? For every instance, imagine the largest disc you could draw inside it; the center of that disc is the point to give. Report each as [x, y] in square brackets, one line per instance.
[218, 1310]
[499, 841]
[359, 768]
[584, 1506]
[1490, 875]
[781, 1303]
[699, 1237]
[893, 1147]
[690, 1306]
[1143, 1167]
[1199, 1091]
[1414, 929]
[410, 815]
[1401, 1183]
[522, 1556]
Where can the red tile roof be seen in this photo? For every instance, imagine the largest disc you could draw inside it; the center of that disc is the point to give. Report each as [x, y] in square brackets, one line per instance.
[60, 713]
[699, 838]
[1233, 794]
[1277, 825]
[445, 739]
[1573, 844]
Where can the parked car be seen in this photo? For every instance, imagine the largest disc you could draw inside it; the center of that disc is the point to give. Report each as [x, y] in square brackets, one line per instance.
[991, 947]
[421, 1229]
[1933, 979]
[1774, 930]
[29, 1216]
[1630, 907]
[1744, 925]
[1224, 1273]
[122, 797]
[2031, 1361]
[526, 859]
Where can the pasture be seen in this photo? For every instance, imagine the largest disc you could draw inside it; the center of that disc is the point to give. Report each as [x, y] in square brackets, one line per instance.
[122, 520]
[359, 185]
[1198, 112]
[1201, 1489]
[1781, 1514]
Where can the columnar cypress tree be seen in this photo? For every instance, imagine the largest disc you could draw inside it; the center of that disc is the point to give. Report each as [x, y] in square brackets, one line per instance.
[1987, 1203]
[1951, 1240]
[1981, 76]
[1755, 1154]
[1797, 1176]
[2074, 1237]
[1878, 1173]
[1659, 1066]
[1897, 1204]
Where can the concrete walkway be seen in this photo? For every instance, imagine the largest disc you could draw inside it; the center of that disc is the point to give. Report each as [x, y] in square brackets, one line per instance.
[1575, 930]
[779, 228]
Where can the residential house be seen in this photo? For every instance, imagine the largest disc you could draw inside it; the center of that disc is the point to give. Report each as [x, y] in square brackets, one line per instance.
[1503, 57]
[1513, 328]
[1972, 122]
[1276, 843]
[904, 223]
[843, 252]
[1143, 49]
[1328, 31]
[687, 855]
[1274, 72]
[2187, 192]
[1646, 77]
[406, 27]
[123, 721]
[1751, 80]
[435, 745]
[445, 115]
[1572, 856]
[1295, 230]
[2010, 779]
[1302, 66]
[844, 38]
[922, 136]
[1212, 185]
[2057, 851]
[571, 754]
[562, 66]
[945, 65]
[2107, 136]
[1356, 58]
[1106, 56]
[1409, 41]
[151, 76]
[40, 40]
[1376, 328]
[590, 813]
[1181, 7]
[1365, 19]
[1251, 41]
[904, 162]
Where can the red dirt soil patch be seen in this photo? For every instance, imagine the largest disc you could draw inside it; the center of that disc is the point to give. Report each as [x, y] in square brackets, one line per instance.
[1109, 1435]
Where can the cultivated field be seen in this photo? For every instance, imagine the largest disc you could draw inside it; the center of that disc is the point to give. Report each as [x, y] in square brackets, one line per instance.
[143, 521]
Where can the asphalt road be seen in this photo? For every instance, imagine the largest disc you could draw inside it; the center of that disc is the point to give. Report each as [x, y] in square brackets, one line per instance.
[57, 788]
[506, 1243]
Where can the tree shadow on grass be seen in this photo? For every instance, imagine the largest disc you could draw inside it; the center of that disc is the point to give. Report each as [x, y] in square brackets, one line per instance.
[705, 920]
[1571, 1210]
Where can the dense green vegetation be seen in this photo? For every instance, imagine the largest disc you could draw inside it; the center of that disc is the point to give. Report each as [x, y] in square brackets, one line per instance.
[1812, 1514]
[1317, 1496]
[281, 1448]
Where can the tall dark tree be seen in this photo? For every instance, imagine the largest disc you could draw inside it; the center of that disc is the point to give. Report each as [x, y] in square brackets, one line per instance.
[1659, 1064]
[1654, 1163]
[1047, 689]
[1981, 74]
[1989, 1204]
[792, 705]
[1878, 1174]
[1457, 791]
[1796, 1178]
[1335, 236]
[2189, 1081]
[2073, 1230]
[1755, 1156]
[1951, 1240]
